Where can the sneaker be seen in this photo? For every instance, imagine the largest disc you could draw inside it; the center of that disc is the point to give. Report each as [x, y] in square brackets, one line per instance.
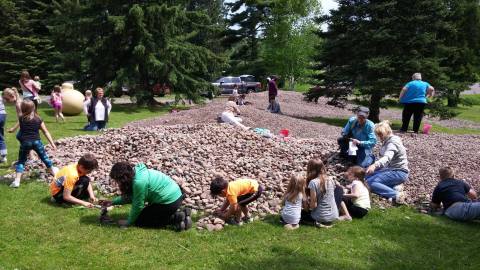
[323, 225]
[345, 218]
[398, 188]
[15, 184]
[232, 221]
[247, 219]
[291, 227]
[179, 221]
[400, 198]
[188, 219]
[3, 159]
[52, 200]
[55, 170]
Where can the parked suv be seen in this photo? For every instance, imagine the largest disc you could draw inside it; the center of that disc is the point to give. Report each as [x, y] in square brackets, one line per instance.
[250, 84]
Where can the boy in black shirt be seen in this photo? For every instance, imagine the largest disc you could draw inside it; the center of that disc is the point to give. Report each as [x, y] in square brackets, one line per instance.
[456, 197]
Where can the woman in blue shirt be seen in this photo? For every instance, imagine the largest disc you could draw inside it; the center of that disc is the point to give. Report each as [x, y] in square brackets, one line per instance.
[414, 98]
[360, 131]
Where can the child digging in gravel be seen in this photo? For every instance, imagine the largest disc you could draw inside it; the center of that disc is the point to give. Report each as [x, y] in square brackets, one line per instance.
[30, 124]
[293, 201]
[238, 194]
[72, 185]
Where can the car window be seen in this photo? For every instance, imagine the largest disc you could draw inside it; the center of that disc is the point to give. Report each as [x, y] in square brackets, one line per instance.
[236, 80]
[248, 79]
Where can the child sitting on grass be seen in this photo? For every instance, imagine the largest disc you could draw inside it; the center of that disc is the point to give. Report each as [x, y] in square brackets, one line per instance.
[30, 124]
[322, 210]
[71, 183]
[356, 203]
[238, 194]
[293, 201]
[456, 196]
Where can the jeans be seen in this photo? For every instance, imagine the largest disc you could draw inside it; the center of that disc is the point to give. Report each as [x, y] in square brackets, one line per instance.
[381, 182]
[3, 145]
[464, 211]
[417, 110]
[364, 157]
[95, 125]
[25, 148]
[80, 190]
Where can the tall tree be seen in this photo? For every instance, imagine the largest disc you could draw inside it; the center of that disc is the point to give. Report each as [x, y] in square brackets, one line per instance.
[375, 46]
[139, 45]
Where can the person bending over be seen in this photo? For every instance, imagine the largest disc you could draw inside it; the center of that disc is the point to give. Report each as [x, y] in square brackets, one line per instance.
[456, 196]
[238, 194]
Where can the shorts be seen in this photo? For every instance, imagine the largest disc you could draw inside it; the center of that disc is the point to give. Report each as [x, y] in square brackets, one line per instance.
[57, 105]
[245, 199]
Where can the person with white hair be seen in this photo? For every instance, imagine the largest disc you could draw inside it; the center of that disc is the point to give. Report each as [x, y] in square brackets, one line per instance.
[414, 98]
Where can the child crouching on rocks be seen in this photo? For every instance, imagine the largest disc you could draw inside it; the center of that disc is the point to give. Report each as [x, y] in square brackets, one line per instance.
[30, 124]
[72, 185]
[293, 202]
[238, 194]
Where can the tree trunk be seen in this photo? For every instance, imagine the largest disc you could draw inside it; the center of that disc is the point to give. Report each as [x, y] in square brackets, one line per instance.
[375, 107]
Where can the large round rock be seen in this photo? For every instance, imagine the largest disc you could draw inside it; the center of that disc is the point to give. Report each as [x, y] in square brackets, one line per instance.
[72, 100]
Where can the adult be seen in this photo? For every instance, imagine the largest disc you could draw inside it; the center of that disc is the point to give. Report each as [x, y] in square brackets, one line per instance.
[456, 196]
[387, 175]
[140, 186]
[29, 87]
[360, 132]
[99, 108]
[414, 98]
[228, 115]
[272, 95]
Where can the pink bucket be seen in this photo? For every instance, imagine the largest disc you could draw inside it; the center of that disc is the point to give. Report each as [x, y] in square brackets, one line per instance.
[426, 128]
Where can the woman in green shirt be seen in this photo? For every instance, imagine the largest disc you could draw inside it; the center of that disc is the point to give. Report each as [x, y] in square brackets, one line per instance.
[155, 197]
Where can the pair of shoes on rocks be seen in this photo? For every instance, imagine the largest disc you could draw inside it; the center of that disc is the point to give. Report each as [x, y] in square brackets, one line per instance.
[291, 227]
[345, 218]
[183, 219]
[325, 225]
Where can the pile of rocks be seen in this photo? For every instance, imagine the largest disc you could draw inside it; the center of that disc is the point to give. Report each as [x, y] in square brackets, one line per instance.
[193, 154]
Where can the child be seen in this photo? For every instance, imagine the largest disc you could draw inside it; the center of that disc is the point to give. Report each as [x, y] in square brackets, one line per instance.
[241, 100]
[38, 84]
[3, 145]
[323, 210]
[29, 88]
[356, 203]
[238, 194]
[71, 183]
[292, 201]
[86, 102]
[30, 124]
[10, 95]
[456, 196]
[235, 91]
[56, 102]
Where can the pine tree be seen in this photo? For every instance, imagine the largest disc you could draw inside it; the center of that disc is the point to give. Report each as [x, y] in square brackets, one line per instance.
[138, 45]
[375, 46]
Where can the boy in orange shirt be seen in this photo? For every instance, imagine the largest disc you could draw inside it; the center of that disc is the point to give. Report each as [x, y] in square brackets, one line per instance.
[71, 183]
[238, 194]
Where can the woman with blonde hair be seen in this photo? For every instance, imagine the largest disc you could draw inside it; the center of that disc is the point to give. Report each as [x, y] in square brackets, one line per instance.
[387, 175]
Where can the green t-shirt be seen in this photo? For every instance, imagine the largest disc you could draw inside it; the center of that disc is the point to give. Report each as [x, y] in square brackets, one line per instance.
[149, 186]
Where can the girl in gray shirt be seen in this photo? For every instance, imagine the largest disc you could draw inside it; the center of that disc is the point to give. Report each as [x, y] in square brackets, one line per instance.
[293, 201]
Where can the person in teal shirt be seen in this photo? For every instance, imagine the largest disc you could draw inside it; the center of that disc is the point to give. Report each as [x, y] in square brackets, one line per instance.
[360, 132]
[414, 98]
[140, 186]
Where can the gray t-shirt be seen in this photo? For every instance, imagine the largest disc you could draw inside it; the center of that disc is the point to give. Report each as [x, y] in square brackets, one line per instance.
[326, 210]
[291, 212]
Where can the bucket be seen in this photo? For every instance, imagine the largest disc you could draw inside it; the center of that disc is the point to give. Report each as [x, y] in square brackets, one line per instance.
[426, 128]
[284, 132]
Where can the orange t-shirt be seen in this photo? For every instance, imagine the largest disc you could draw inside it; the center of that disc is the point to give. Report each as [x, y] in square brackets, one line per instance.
[66, 178]
[240, 187]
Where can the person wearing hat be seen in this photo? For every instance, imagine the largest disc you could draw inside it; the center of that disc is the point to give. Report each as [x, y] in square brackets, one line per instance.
[359, 131]
[414, 98]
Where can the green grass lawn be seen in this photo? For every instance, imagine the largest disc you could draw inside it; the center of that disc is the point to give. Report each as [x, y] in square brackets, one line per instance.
[39, 235]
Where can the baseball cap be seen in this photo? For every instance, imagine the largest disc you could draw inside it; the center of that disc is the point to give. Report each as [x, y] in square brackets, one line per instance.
[363, 111]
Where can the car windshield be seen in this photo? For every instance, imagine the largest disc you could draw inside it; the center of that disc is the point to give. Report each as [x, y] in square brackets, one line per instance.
[248, 79]
[230, 80]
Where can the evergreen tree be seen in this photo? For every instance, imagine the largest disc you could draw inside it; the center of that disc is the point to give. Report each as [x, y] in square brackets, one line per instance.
[139, 45]
[375, 46]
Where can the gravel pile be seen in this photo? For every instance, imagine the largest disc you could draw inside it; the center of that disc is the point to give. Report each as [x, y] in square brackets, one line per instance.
[193, 154]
